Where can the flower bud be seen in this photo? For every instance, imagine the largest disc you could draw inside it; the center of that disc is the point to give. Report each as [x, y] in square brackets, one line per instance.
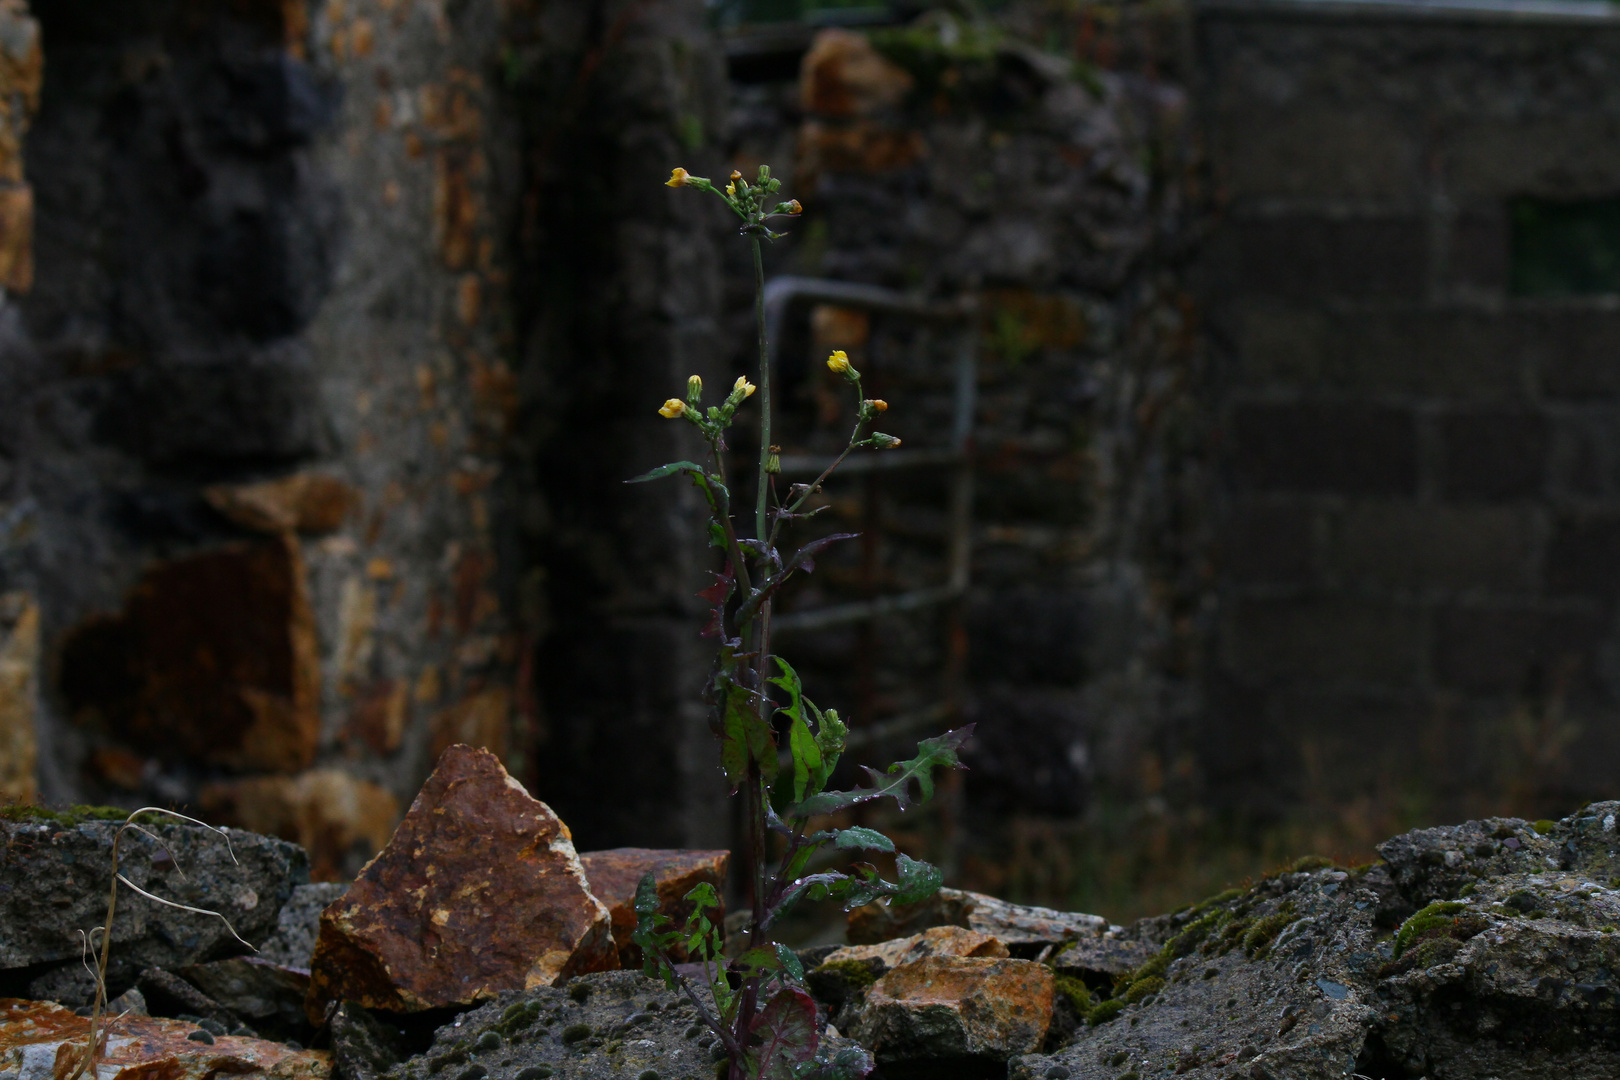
[694, 387]
[673, 409]
[878, 405]
[735, 175]
[839, 362]
[743, 386]
[678, 178]
[773, 460]
[884, 442]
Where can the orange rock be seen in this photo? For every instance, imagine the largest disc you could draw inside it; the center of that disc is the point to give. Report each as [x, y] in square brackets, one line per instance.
[957, 1007]
[302, 502]
[479, 891]
[935, 941]
[327, 811]
[614, 875]
[41, 1038]
[479, 720]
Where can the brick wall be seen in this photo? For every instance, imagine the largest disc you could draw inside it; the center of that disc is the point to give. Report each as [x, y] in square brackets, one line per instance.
[1419, 554]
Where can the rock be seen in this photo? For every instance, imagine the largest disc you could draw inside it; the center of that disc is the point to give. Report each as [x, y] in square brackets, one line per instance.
[131, 1001]
[363, 1047]
[843, 76]
[843, 976]
[1024, 930]
[299, 923]
[1500, 965]
[37, 1039]
[1100, 959]
[952, 1011]
[609, 1026]
[54, 881]
[167, 994]
[267, 996]
[340, 819]
[479, 890]
[302, 502]
[614, 875]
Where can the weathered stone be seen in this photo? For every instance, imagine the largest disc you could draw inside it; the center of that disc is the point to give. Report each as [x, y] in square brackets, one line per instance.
[167, 994]
[303, 502]
[480, 719]
[299, 924]
[614, 874]
[340, 819]
[41, 1039]
[843, 76]
[267, 996]
[616, 1025]
[363, 1047]
[214, 658]
[19, 697]
[54, 882]
[948, 1008]
[840, 981]
[1502, 964]
[479, 890]
[1024, 930]
[1104, 956]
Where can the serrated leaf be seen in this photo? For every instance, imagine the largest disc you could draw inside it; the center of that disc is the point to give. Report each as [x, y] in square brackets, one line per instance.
[783, 1035]
[802, 745]
[918, 880]
[744, 737]
[791, 965]
[859, 838]
[895, 783]
[667, 470]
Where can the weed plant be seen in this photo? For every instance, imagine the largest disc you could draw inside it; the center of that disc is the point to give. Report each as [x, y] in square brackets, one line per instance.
[756, 1003]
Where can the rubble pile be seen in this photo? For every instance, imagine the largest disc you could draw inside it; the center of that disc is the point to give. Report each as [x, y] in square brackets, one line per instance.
[479, 944]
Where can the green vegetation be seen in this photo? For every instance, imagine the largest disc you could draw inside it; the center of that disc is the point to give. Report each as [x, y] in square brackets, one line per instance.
[1441, 914]
[67, 817]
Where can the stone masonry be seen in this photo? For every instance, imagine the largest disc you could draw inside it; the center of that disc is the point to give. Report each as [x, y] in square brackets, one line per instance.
[1419, 503]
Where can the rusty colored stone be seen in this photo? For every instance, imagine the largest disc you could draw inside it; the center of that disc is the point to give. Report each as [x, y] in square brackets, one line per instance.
[303, 502]
[43, 1039]
[1022, 928]
[943, 1007]
[479, 891]
[861, 147]
[379, 714]
[843, 76]
[935, 941]
[17, 237]
[336, 817]
[19, 697]
[213, 659]
[479, 720]
[615, 873]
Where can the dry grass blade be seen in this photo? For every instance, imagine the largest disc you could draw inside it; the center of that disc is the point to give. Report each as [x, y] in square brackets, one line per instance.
[95, 1042]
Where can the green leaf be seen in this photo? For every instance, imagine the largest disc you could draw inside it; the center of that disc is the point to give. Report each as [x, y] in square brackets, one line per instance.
[790, 962]
[918, 880]
[895, 783]
[863, 839]
[760, 960]
[744, 737]
[783, 1036]
[830, 736]
[667, 470]
[801, 743]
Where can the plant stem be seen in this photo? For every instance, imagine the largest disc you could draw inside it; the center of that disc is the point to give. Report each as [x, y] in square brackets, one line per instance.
[764, 391]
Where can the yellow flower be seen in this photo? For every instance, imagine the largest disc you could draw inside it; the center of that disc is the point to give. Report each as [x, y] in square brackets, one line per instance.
[731, 189]
[678, 178]
[673, 409]
[794, 207]
[744, 385]
[879, 404]
[735, 175]
[838, 362]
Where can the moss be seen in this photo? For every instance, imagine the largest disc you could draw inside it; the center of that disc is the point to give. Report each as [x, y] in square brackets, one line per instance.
[1307, 863]
[579, 992]
[1259, 936]
[574, 1033]
[855, 974]
[1075, 991]
[439, 1063]
[66, 817]
[1141, 988]
[1213, 901]
[1194, 935]
[1442, 913]
[1545, 826]
[1105, 1011]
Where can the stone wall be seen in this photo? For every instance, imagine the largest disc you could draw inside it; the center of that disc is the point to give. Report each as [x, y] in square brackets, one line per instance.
[1419, 517]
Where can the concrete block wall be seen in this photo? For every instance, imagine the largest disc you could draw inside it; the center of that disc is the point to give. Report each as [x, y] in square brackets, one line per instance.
[1419, 508]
